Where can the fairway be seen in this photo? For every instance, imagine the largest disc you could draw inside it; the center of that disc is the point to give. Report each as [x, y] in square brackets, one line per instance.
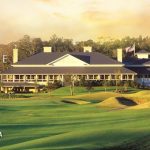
[45, 121]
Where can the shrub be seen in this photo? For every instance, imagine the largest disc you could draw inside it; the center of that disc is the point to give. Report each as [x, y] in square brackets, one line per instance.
[53, 86]
[89, 86]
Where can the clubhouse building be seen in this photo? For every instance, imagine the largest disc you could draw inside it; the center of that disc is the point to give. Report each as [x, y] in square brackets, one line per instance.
[48, 67]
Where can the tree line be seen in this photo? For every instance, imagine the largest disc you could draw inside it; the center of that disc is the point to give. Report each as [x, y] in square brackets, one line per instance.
[29, 46]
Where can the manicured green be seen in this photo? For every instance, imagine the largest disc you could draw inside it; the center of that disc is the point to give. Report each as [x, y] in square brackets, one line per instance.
[45, 122]
[82, 90]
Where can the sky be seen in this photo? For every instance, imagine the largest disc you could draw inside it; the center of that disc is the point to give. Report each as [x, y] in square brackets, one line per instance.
[75, 19]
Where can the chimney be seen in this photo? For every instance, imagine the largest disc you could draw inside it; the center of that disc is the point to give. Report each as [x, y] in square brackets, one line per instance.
[15, 55]
[87, 49]
[47, 49]
[119, 54]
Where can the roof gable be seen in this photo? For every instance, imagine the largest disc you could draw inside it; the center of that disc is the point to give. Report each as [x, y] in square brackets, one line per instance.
[68, 60]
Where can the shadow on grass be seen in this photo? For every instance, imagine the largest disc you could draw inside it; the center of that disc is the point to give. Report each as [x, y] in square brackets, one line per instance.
[69, 102]
[23, 96]
[139, 144]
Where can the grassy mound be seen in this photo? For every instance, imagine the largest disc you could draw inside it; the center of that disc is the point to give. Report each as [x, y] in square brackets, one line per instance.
[117, 102]
[142, 98]
[142, 93]
[94, 97]
[139, 97]
[141, 106]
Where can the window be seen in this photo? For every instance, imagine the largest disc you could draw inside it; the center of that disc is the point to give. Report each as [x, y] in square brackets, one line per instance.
[10, 77]
[113, 77]
[39, 76]
[130, 77]
[27, 77]
[4, 77]
[44, 77]
[21, 76]
[91, 77]
[16, 76]
[32, 76]
[107, 77]
[95, 76]
[125, 77]
[50, 77]
[102, 77]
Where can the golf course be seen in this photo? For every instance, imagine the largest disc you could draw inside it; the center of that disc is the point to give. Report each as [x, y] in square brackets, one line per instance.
[95, 120]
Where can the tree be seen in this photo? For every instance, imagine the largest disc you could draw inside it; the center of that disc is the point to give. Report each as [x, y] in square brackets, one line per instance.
[36, 86]
[60, 44]
[89, 86]
[118, 79]
[51, 86]
[72, 84]
[68, 45]
[37, 45]
[126, 85]
[1, 85]
[56, 43]
[106, 83]
[25, 47]
[70, 81]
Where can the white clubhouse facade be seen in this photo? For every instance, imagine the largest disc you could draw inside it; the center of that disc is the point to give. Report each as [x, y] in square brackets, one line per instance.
[48, 67]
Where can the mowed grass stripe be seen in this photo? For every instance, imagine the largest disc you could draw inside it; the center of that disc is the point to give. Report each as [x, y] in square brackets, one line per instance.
[82, 138]
[107, 121]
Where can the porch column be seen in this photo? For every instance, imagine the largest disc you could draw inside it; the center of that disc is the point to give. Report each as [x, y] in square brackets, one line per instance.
[1, 78]
[132, 77]
[62, 80]
[127, 77]
[47, 79]
[121, 77]
[25, 78]
[7, 78]
[53, 78]
[87, 77]
[36, 78]
[13, 78]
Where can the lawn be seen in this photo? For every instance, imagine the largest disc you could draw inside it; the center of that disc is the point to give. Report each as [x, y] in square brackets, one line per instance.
[44, 121]
[82, 90]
